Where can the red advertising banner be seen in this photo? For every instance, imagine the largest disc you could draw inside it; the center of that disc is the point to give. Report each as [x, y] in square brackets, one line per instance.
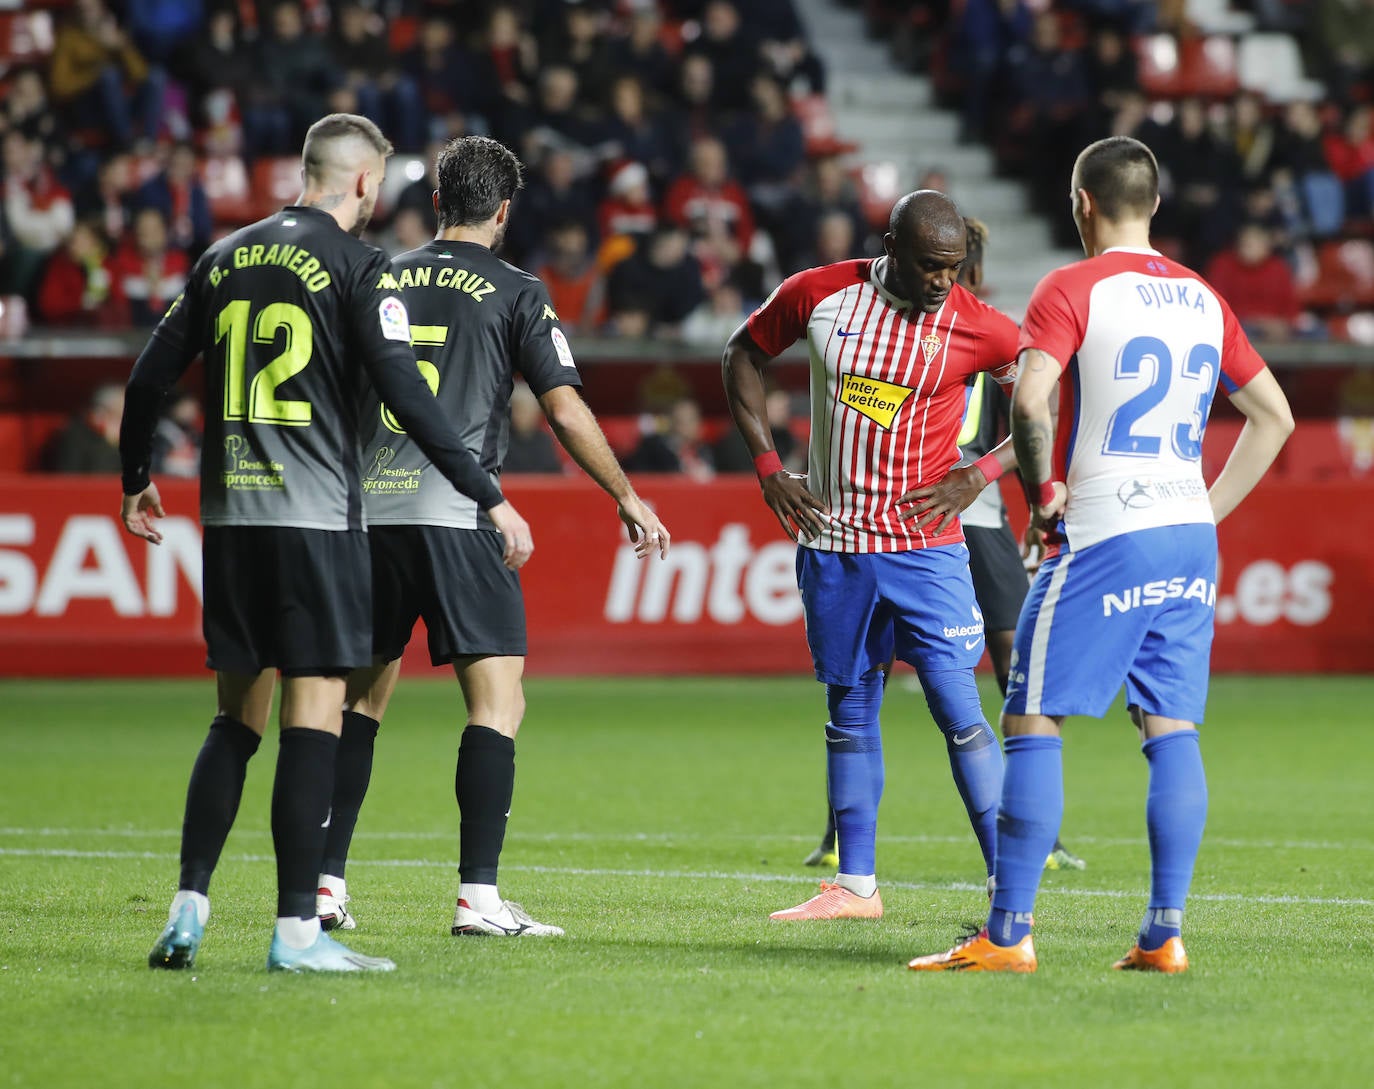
[80, 597]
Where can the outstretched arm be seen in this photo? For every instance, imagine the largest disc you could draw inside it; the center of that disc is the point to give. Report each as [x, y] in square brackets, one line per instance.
[580, 435]
[785, 493]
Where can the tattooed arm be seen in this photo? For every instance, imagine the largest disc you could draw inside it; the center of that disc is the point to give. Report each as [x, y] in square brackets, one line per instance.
[1032, 431]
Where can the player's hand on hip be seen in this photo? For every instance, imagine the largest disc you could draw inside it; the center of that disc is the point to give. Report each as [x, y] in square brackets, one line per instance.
[1045, 516]
[646, 531]
[935, 506]
[138, 511]
[796, 509]
[516, 532]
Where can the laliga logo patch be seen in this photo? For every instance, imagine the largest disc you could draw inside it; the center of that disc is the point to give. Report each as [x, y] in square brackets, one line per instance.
[930, 346]
[871, 397]
[394, 320]
[560, 345]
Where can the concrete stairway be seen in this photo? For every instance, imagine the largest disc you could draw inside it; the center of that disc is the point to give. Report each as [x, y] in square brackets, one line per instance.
[902, 134]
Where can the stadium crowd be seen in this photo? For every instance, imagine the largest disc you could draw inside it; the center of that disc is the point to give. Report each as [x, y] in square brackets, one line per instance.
[1272, 196]
[668, 176]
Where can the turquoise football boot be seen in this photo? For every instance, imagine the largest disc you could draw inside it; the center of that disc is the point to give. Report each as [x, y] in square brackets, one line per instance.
[177, 946]
[325, 955]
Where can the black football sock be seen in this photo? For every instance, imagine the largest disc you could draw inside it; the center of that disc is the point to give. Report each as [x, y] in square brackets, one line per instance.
[212, 799]
[352, 773]
[484, 785]
[300, 812]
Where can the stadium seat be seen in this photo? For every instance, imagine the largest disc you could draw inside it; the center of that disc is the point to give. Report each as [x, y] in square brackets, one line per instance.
[276, 183]
[1324, 198]
[25, 38]
[226, 187]
[1344, 277]
[1216, 17]
[880, 184]
[1318, 451]
[622, 432]
[1271, 65]
[1158, 64]
[1208, 67]
[818, 126]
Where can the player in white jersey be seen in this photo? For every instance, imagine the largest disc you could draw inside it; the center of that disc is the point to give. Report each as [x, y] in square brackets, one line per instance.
[1128, 594]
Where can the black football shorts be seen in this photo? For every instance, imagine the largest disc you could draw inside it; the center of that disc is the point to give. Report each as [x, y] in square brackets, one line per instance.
[293, 599]
[999, 577]
[471, 603]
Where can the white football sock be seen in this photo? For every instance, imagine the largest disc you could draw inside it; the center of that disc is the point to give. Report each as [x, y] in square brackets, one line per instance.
[483, 899]
[201, 901]
[298, 933]
[864, 885]
[335, 885]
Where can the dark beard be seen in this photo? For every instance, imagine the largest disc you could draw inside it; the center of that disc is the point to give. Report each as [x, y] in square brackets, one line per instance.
[498, 238]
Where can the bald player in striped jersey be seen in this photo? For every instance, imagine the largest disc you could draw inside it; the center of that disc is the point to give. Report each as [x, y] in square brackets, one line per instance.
[892, 343]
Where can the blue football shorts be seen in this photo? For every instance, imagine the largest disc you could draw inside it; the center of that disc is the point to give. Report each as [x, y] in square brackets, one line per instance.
[1136, 609]
[862, 609]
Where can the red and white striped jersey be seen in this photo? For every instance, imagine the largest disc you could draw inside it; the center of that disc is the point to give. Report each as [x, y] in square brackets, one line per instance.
[1143, 341]
[887, 393]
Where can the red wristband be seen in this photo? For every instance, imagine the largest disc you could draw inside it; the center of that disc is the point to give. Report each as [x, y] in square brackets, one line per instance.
[989, 466]
[1044, 493]
[767, 463]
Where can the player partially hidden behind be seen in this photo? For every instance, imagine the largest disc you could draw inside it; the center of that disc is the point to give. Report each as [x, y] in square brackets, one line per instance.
[999, 576]
[1129, 594]
[892, 343]
[478, 323]
[293, 315]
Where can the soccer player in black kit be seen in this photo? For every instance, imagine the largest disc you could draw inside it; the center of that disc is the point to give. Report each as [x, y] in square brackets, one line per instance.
[477, 323]
[293, 315]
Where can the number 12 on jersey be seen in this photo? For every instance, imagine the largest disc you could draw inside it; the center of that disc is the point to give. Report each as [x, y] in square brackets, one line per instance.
[1202, 366]
[254, 398]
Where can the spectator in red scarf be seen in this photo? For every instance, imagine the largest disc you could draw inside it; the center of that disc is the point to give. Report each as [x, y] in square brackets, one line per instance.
[77, 287]
[149, 273]
[628, 208]
[1350, 153]
[38, 209]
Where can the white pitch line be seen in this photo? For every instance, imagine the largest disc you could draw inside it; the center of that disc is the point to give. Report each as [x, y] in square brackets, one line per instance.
[707, 875]
[696, 837]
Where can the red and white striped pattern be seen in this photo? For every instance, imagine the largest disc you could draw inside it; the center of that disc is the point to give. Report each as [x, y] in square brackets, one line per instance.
[861, 462]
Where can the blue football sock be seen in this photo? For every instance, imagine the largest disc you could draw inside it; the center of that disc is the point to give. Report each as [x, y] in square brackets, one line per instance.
[1175, 812]
[854, 769]
[1027, 822]
[975, 758]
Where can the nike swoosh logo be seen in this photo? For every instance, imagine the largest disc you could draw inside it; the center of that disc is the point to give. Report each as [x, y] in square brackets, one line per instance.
[846, 333]
[966, 738]
[519, 928]
[969, 644]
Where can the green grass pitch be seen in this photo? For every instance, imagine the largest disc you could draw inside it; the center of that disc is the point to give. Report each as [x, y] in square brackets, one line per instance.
[660, 822]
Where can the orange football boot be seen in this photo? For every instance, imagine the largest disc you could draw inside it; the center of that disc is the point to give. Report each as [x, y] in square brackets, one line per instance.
[1169, 957]
[980, 954]
[833, 902]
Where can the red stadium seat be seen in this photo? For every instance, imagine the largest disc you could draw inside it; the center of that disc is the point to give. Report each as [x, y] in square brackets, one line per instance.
[880, 184]
[276, 183]
[818, 126]
[622, 432]
[1329, 450]
[26, 37]
[1208, 67]
[1158, 64]
[226, 186]
[1344, 279]
[24, 436]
